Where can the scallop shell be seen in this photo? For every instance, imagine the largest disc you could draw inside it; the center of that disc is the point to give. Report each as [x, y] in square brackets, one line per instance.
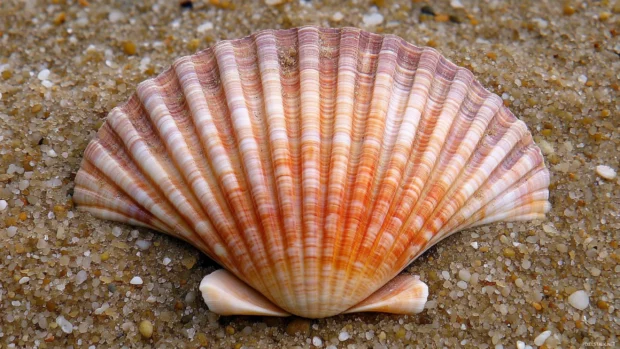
[314, 165]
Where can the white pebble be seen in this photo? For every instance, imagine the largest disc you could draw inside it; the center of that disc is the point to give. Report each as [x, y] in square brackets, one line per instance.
[582, 79]
[579, 300]
[542, 24]
[372, 19]
[101, 309]
[520, 345]
[606, 172]
[52, 153]
[43, 74]
[24, 184]
[47, 83]
[337, 16]
[519, 283]
[526, 264]
[166, 261]
[445, 275]
[143, 244]
[474, 245]
[540, 340]
[462, 284]
[273, 2]
[136, 280]
[116, 231]
[464, 275]
[65, 325]
[24, 280]
[11, 231]
[12, 169]
[3, 205]
[317, 342]
[456, 4]
[81, 277]
[546, 147]
[115, 16]
[343, 336]
[204, 27]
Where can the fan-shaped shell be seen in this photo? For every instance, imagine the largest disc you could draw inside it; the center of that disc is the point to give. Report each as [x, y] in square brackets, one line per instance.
[314, 164]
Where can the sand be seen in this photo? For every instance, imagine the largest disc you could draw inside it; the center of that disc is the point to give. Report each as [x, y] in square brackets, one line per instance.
[69, 280]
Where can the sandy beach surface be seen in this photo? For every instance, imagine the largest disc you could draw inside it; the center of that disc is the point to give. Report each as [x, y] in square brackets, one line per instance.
[69, 280]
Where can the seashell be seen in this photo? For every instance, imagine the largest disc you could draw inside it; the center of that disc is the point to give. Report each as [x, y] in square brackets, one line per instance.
[314, 165]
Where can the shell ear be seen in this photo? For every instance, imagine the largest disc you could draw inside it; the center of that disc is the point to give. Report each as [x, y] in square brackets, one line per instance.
[405, 294]
[225, 294]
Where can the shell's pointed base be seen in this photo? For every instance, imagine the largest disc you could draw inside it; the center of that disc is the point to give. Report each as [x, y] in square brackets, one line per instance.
[225, 294]
[405, 294]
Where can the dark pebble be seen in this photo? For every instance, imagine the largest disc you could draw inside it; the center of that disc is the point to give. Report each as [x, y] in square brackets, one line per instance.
[298, 326]
[427, 10]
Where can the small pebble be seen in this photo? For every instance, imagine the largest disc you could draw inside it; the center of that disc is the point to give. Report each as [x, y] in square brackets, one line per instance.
[24, 280]
[299, 326]
[65, 325]
[337, 16]
[204, 27]
[115, 16]
[136, 280]
[146, 328]
[606, 172]
[519, 283]
[582, 79]
[464, 275]
[595, 271]
[541, 338]
[372, 19]
[427, 10]
[273, 2]
[509, 252]
[601, 304]
[143, 244]
[11, 231]
[317, 342]
[579, 300]
[462, 284]
[129, 47]
[3, 205]
[343, 336]
[81, 277]
[189, 262]
[190, 297]
[43, 74]
[166, 261]
[456, 4]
